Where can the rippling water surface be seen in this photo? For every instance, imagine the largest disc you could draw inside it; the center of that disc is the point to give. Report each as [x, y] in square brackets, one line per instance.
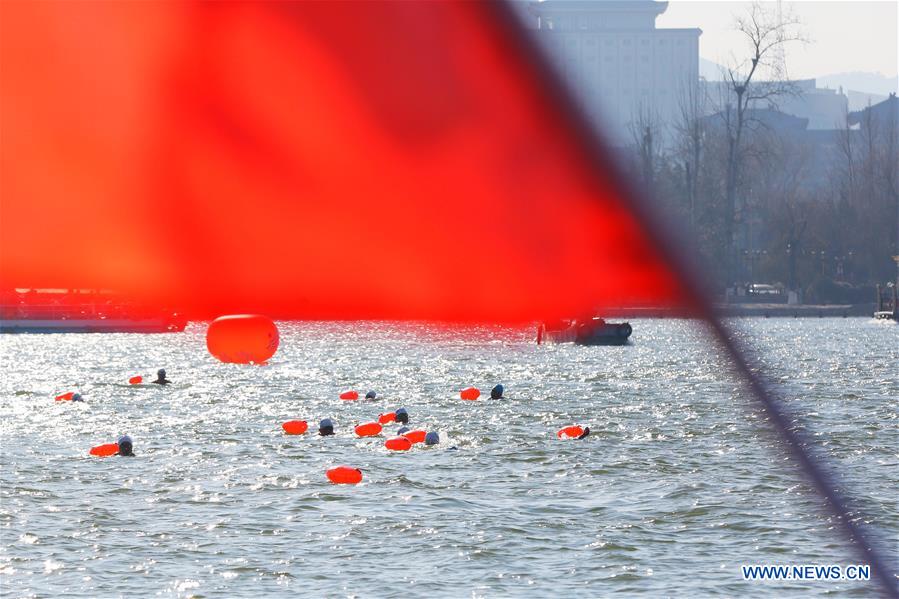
[679, 483]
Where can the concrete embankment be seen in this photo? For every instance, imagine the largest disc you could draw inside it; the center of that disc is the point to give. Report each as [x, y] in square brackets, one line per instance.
[757, 310]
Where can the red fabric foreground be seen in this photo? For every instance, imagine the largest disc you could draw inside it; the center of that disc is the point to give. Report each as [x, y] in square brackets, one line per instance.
[309, 160]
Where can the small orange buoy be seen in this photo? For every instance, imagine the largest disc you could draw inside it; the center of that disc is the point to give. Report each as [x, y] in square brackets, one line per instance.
[243, 338]
[398, 443]
[571, 432]
[471, 394]
[350, 395]
[136, 380]
[295, 427]
[387, 418]
[416, 436]
[65, 396]
[344, 475]
[105, 450]
[369, 429]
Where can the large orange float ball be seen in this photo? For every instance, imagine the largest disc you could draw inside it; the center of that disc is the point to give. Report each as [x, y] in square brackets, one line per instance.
[243, 338]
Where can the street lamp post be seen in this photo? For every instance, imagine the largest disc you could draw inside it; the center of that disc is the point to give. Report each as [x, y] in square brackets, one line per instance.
[791, 262]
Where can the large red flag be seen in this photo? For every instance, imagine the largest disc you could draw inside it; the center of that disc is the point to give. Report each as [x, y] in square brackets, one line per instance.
[348, 159]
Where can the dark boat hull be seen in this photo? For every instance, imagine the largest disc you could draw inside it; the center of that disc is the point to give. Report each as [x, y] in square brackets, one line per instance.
[605, 334]
[91, 326]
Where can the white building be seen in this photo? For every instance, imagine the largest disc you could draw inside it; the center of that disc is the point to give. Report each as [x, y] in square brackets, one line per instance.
[615, 59]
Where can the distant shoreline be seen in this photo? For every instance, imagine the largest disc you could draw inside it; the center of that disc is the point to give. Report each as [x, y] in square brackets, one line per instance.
[753, 310]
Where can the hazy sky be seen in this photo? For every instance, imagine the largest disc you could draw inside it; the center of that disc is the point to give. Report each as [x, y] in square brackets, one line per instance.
[846, 35]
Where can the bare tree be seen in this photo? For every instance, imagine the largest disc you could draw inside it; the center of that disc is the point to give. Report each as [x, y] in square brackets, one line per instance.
[889, 173]
[690, 129]
[645, 129]
[879, 182]
[780, 162]
[765, 36]
[845, 168]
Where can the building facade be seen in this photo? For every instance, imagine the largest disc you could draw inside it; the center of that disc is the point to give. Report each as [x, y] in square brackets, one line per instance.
[621, 68]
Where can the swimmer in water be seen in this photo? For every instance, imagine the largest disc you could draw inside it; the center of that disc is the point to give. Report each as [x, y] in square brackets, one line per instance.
[126, 448]
[371, 395]
[77, 397]
[160, 378]
[432, 438]
[402, 416]
[585, 433]
[326, 427]
[497, 392]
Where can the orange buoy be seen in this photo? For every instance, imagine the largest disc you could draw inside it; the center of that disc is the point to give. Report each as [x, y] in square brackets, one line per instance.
[571, 432]
[242, 338]
[295, 427]
[344, 475]
[369, 429]
[105, 450]
[136, 380]
[351, 395]
[470, 394]
[398, 443]
[387, 418]
[65, 396]
[416, 436]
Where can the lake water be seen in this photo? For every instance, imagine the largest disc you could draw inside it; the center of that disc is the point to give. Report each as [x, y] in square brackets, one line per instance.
[679, 483]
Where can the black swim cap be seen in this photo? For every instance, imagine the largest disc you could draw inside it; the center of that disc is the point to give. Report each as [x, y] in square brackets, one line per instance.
[126, 448]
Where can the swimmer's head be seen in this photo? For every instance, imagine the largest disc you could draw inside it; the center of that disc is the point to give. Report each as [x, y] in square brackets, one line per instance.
[160, 374]
[497, 392]
[402, 416]
[326, 427]
[403, 430]
[77, 397]
[126, 448]
[371, 395]
[432, 438]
